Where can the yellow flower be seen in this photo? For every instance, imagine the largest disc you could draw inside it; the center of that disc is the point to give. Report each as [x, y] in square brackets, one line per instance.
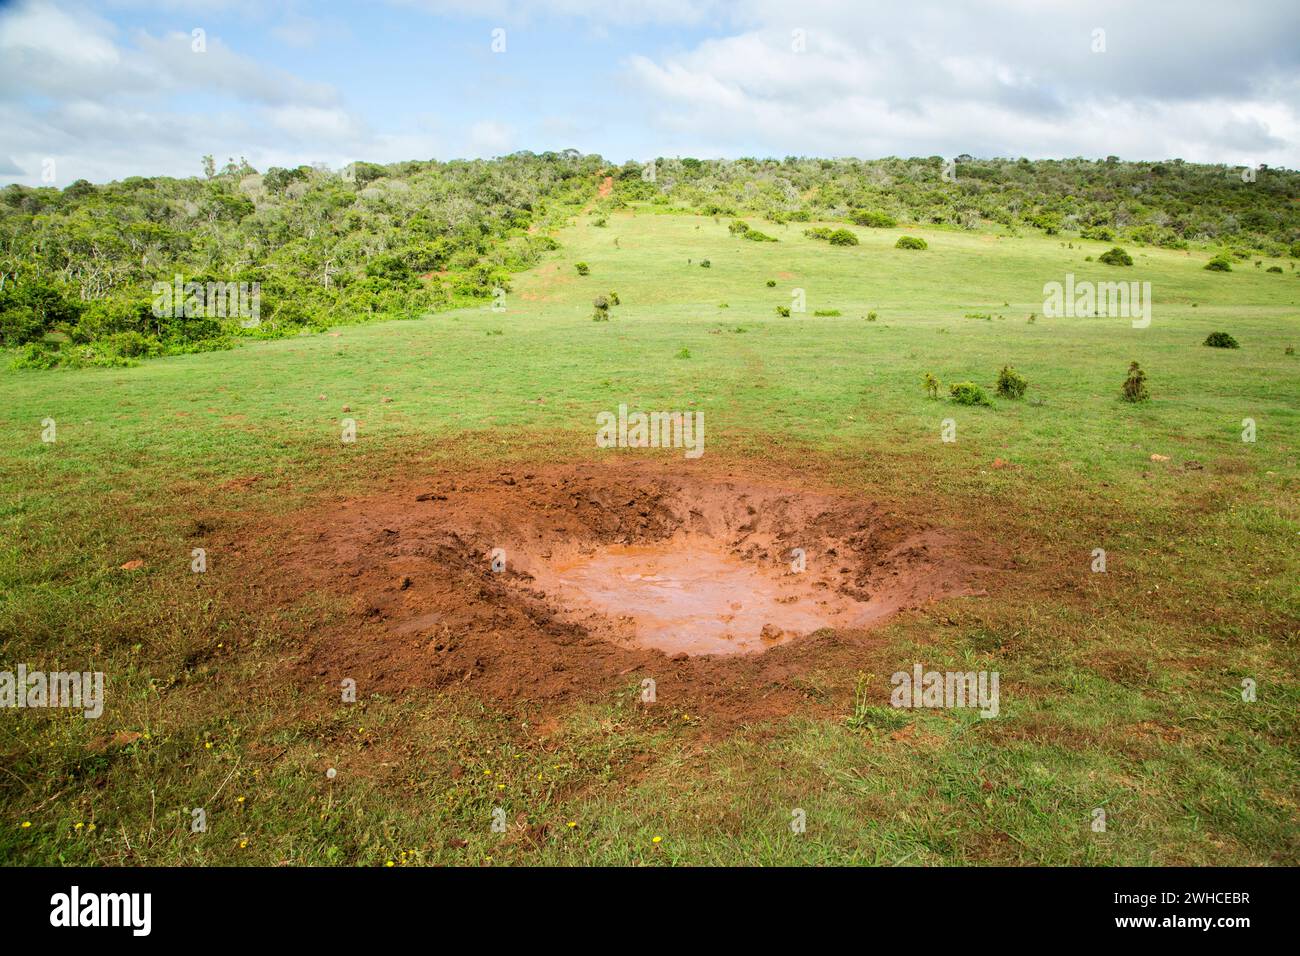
[207, 745]
[572, 824]
[239, 799]
[242, 844]
[26, 824]
[389, 863]
[657, 839]
[90, 826]
[78, 826]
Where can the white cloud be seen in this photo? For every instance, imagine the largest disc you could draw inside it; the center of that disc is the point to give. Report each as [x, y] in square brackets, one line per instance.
[1005, 79]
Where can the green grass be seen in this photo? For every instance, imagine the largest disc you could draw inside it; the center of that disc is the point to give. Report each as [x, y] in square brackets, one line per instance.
[1120, 691]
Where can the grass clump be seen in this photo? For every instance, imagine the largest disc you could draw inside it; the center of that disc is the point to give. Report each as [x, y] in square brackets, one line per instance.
[911, 242]
[583, 268]
[1011, 384]
[1221, 340]
[1219, 263]
[932, 384]
[968, 393]
[1116, 257]
[1135, 386]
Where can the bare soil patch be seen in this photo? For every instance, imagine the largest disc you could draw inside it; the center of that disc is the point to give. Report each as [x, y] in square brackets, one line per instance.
[574, 581]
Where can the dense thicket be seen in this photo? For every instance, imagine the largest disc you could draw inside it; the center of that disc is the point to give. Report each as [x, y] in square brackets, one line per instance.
[78, 266]
[1169, 203]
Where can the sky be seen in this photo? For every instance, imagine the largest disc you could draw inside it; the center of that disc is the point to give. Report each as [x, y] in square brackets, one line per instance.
[120, 88]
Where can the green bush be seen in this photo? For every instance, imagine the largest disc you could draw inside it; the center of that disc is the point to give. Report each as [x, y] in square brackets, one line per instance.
[783, 311]
[738, 228]
[1135, 386]
[757, 236]
[1221, 340]
[1116, 257]
[133, 344]
[968, 393]
[931, 383]
[873, 218]
[1219, 263]
[1011, 384]
[910, 242]
[842, 237]
[1273, 269]
[826, 313]
[705, 264]
[582, 267]
[771, 283]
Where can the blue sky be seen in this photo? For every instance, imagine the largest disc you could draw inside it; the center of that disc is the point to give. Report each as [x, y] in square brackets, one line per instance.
[118, 89]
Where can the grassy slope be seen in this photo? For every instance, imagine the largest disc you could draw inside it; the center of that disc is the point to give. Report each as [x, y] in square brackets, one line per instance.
[1119, 691]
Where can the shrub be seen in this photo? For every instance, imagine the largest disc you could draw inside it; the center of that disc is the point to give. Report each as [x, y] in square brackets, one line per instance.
[771, 283]
[705, 264]
[873, 218]
[871, 316]
[931, 383]
[582, 267]
[1221, 340]
[910, 242]
[132, 344]
[738, 228]
[1011, 384]
[826, 313]
[1273, 269]
[842, 237]
[760, 236]
[600, 223]
[613, 298]
[1116, 257]
[818, 232]
[683, 354]
[1135, 386]
[783, 311]
[1219, 263]
[968, 393]
[36, 355]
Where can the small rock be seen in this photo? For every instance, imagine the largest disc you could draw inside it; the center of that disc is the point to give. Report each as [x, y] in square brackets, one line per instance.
[135, 565]
[1155, 457]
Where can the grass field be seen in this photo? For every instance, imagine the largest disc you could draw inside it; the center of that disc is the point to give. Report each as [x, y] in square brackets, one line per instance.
[1121, 691]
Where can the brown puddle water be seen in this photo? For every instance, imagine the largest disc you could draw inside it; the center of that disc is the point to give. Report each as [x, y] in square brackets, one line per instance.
[693, 597]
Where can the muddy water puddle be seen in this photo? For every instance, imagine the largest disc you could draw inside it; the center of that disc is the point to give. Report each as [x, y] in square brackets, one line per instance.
[693, 598]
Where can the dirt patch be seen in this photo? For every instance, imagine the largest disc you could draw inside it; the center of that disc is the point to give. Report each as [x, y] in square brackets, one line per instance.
[534, 586]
